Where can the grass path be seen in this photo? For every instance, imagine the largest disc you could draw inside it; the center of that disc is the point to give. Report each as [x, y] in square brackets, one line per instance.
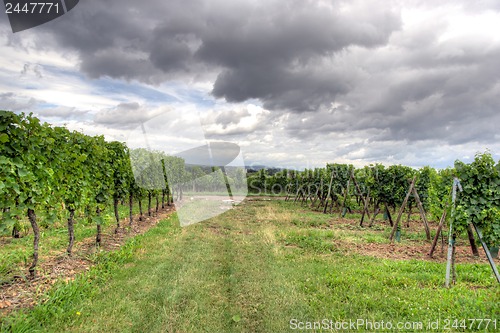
[254, 269]
[218, 276]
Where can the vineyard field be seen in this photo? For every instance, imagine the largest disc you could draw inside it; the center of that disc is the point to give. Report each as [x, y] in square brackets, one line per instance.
[258, 267]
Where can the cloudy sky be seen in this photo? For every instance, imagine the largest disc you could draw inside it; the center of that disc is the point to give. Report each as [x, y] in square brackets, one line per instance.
[295, 83]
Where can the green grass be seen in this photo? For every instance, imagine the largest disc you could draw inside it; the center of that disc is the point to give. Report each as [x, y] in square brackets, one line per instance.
[256, 269]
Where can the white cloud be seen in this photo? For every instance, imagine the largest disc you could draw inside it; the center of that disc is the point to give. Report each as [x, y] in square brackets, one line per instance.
[234, 119]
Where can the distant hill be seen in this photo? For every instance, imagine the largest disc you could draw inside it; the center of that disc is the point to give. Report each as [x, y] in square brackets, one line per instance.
[270, 170]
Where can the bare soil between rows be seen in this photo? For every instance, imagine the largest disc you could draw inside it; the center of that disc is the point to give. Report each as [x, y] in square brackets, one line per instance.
[409, 249]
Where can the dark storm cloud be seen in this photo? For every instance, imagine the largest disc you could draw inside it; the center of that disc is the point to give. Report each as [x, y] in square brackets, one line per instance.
[339, 65]
[456, 100]
[447, 90]
[273, 51]
[282, 57]
[299, 89]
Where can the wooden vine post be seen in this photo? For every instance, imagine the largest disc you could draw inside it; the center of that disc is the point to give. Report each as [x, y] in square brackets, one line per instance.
[450, 262]
[422, 213]
[487, 252]
[365, 200]
[450, 259]
[438, 232]
[365, 208]
[412, 190]
[388, 212]
[329, 191]
[401, 209]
